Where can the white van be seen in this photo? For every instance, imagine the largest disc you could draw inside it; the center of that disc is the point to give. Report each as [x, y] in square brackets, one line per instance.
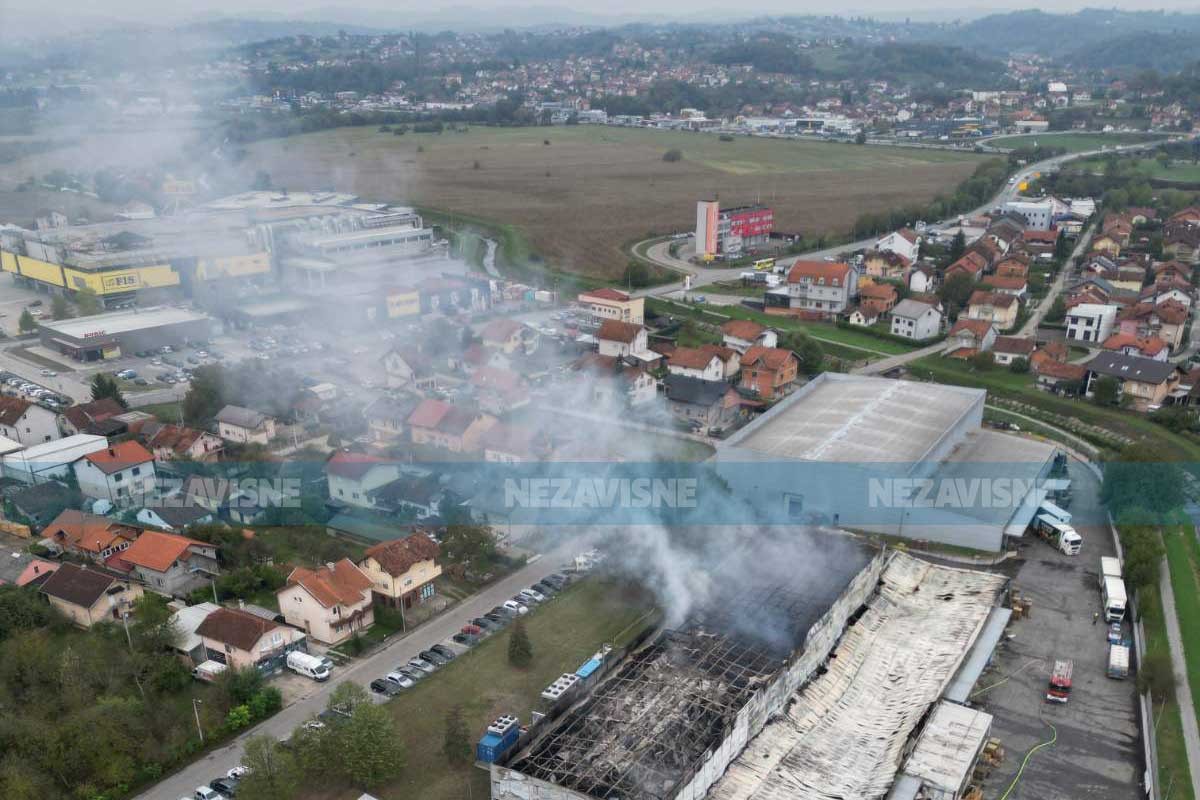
[310, 666]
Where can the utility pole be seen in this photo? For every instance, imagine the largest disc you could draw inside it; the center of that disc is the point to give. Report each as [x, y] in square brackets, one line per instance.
[196, 710]
[125, 622]
[213, 581]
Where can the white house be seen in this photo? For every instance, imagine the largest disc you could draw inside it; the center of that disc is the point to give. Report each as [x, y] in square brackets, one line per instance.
[24, 422]
[618, 339]
[352, 477]
[244, 426]
[329, 603]
[742, 334]
[904, 242]
[695, 363]
[1091, 323]
[122, 474]
[913, 319]
[922, 279]
[827, 288]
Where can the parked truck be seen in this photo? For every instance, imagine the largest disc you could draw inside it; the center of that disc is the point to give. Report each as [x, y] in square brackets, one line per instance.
[208, 671]
[1060, 535]
[1110, 567]
[1113, 595]
[1118, 661]
[1059, 690]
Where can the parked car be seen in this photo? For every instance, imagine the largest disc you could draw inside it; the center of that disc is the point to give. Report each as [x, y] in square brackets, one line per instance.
[207, 793]
[516, 605]
[465, 639]
[422, 665]
[437, 659]
[472, 630]
[238, 772]
[444, 652]
[387, 686]
[485, 623]
[400, 679]
[504, 612]
[413, 675]
[545, 589]
[49, 373]
[532, 594]
[226, 786]
[1115, 635]
[499, 619]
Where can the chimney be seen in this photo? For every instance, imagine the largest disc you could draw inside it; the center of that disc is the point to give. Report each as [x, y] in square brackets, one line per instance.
[329, 566]
[241, 603]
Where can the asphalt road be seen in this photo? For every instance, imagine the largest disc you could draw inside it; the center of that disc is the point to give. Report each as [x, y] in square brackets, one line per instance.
[216, 763]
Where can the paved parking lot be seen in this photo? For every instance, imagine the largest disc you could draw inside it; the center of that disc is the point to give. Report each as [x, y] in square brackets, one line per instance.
[1097, 753]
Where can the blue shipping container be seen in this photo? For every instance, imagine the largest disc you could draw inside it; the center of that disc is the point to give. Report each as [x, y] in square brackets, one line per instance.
[588, 668]
[492, 747]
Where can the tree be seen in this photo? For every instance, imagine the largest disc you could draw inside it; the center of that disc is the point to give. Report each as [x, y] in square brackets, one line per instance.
[956, 291]
[27, 324]
[87, 302]
[860, 137]
[59, 308]
[274, 774]
[456, 745]
[1106, 391]
[368, 745]
[1156, 675]
[1058, 310]
[205, 396]
[469, 544]
[1139, 478]
[983, 361]
[673, 155]
[347, 697]
[520, 649]
[637, 275]
[105, 386]
[1020, 366]
[958, 246]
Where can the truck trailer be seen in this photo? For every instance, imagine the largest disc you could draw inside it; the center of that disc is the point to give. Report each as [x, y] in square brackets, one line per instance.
[1113, 593]
[1060, 535]
[1059, 690]
[1118, 661]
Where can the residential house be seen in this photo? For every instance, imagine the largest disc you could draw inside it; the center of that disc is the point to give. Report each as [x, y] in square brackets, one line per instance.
[1147, 381]
[175, 442]
[884, 295]
[244, 426]
[1167, 321]
[1129, 277]
[904, 242]
[922, 279]
[742, 334]
[176, 516]
[706, 405]
[821, 289]
[1174, 270]
[1182, 242]
[448, 427]
[415, 494]
[352, 477]
[499, 391]
[122, 474]
[386, 416]
[503, 334]
[89, 536]
[505, 443]
[696, 363]
[329, 603]
[36, 571]
[1007, 349]
[42, 502]
[24, 422]
[83, 418]
[917, 320]
[1108, 244]
[999, 309]
[1014, 285]
[408, 368]
[188, 645]
[616, 382]
[605, 303]
[867, 313]
[1090, 323]
[88, 594]
[170, 564]
[885, 264]
[1153, 347]
[970, 336]
[971, 264]
[731, 360]
[1059, 377]
[403, 571]
[769, 372]
[240, 640]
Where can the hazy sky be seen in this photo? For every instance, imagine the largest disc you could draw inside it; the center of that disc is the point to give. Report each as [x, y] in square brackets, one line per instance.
[81, 14]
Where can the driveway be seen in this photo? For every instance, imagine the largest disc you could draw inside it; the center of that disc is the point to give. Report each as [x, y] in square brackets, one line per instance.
[362, 672]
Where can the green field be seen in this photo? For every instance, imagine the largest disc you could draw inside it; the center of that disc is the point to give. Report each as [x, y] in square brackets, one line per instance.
[1173, 768]
[564, 632]
[1074, 142]
[1183, 558]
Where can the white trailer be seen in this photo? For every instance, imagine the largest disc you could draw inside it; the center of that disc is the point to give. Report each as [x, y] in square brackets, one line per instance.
[1060, 535]
[1118, 661]
[1110, 567]
[1053, 510]
[1114, 599]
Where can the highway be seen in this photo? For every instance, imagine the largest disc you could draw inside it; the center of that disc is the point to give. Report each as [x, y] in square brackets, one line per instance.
[362, 671]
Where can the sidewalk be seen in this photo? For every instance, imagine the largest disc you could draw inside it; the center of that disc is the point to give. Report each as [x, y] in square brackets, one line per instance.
[1183, 692]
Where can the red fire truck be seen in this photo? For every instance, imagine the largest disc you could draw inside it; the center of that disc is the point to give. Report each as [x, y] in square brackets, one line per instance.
[1059, 690]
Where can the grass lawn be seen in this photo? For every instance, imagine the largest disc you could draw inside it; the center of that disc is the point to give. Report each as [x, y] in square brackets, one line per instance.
[1183, 559]
[1075, 142]
[564, 633]
[1177, 171]
[863, 343]
[1172, 753]
[165, 412]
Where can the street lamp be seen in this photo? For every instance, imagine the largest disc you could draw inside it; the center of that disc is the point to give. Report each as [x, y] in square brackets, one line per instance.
[196, 710]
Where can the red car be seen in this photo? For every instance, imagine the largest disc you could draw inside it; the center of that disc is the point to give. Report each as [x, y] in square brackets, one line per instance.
[473, 630]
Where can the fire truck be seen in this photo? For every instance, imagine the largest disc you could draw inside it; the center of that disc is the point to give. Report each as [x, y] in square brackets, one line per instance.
[1059, 690]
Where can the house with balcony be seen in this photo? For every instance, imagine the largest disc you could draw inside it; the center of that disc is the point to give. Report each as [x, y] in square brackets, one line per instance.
[1146, 381]
[241, 640]
[89, 536]
[998, 309]
[821, 289]
[769, 372]
[329, 603]
[403, 571]
[742, 334]
[123, 474]
[244, 426]
[1090, 323]
[170, 564]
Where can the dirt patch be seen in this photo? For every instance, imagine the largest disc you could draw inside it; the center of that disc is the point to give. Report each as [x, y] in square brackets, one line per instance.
[592, 190]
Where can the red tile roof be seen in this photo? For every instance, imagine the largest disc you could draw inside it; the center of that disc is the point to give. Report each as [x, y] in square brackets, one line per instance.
[351, 466]
[1060, 370]
[1017, 345]
[690, 358]
[614, 330]
[117, 457]
[12, 409]
[158, 551]
[87, 532]
[982, 298]
[744, 329]
[429, 413]
[978, 327]
[236, 627]
[770, 357]
[341, 582]
[398, 557]
[85, 414]
[834, 273]
[605, 293]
